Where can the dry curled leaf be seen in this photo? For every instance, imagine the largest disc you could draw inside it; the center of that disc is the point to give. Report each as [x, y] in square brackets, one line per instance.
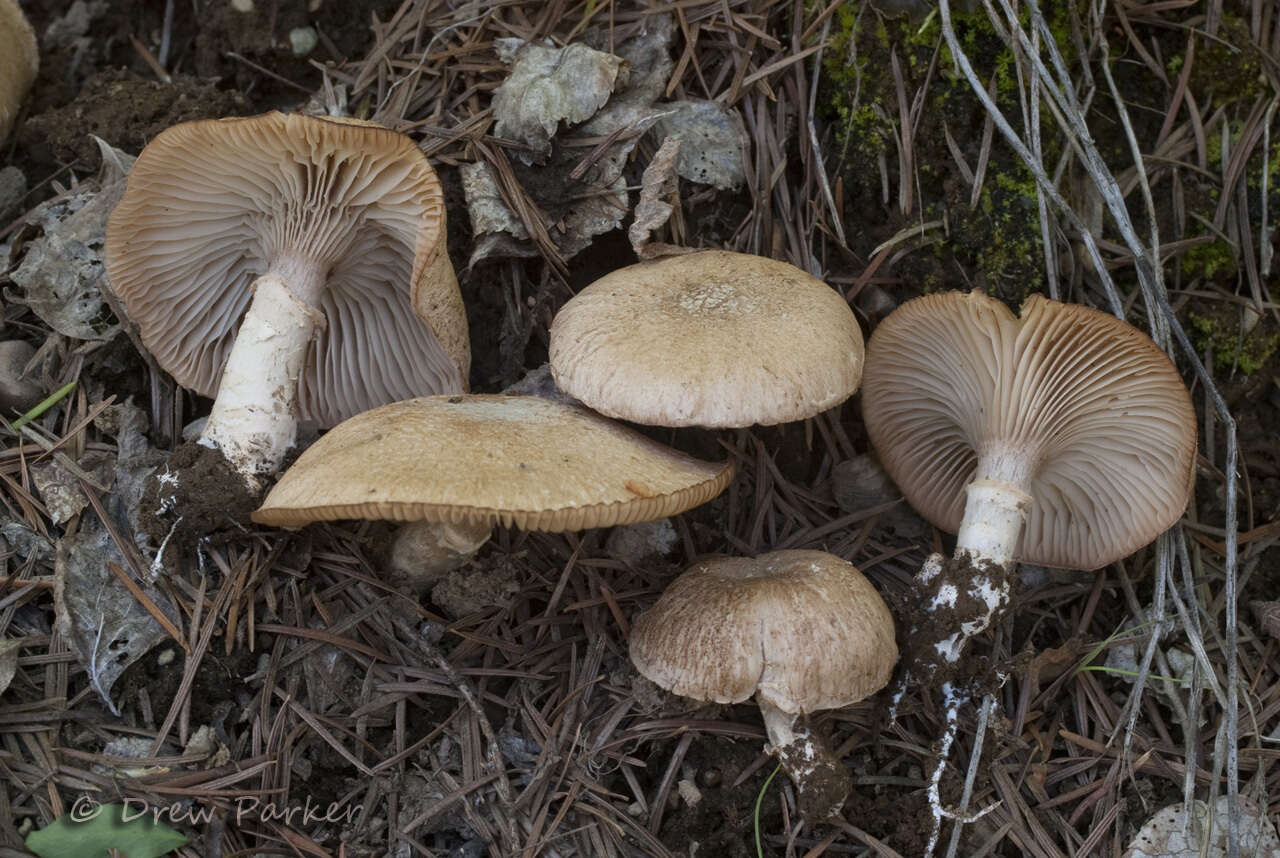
[108, 628]
[61, 272]
[59, 485]
[584, 209]
[657, 186]
[548, 85]
[1205, 833]
[8, 661]
[1268, 614]
[712, 140]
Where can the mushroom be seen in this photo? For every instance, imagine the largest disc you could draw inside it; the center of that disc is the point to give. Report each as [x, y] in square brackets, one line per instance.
[801, 630]
[296, 267]
[466, 463]
[17, 391]
[1062, 437]
[19, 62]
[707, 339]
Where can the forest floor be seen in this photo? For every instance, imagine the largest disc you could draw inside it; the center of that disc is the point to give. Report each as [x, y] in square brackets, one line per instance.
[265, 671]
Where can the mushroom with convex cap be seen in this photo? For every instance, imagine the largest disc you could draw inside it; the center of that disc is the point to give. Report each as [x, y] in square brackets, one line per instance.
[462, 464]
[293, 265]
[712, 339]
[1061, 436]
[19, 62]
[799, 630]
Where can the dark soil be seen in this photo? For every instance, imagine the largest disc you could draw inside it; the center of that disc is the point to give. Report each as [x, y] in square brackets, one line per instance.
[196, 496]
[93, 80]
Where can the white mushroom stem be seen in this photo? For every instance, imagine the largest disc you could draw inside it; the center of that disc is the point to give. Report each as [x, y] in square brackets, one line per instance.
[778, 725]
[994, 513]
[254, 420]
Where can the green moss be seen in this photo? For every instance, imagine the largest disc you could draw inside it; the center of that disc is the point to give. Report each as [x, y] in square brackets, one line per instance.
[1246, 354]
[1210, 260]
[999, 240]
[1227, 68]
[1213, 141]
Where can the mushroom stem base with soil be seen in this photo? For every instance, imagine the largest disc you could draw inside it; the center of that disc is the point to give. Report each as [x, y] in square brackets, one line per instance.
[961, 597]
[822, 782]
[254, 421]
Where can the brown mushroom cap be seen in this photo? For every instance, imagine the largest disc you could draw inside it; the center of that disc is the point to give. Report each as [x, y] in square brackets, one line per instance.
[210, 205]
[712, 339]
[519, 461]
[19, 62]
[804, 630]
[1096, 411]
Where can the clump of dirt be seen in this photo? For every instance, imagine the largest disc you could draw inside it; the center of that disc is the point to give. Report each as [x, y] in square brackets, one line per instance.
[195, 495]
[125, 110]
[949, 599]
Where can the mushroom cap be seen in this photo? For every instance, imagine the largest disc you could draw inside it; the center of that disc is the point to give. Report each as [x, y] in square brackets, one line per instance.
[19, 62]
[707, 339]
[519, 461]
[803, 630]
[1092, 408]
[211, 205]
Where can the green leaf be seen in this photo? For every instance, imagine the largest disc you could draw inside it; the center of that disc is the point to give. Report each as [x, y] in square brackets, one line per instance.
[90, 829]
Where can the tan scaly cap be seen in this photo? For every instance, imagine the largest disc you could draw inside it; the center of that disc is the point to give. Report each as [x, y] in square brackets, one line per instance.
[1077, 408]
[212, 205]
[803, 630]
[19, 62]
[712, 339]
[519, 461]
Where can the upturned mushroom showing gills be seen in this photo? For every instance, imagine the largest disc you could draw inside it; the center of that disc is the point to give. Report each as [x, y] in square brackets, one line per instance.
[800, 630]
[467, 463]
[708, 339]
[294, 266]
[1062, 436]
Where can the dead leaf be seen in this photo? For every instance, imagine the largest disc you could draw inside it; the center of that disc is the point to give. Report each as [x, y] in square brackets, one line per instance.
[8, 661]
[61, 271]
[1162, 836]
[581, 192]
[60, 488]
[547, 85]
[712, 140]
[657, 186]
[1047, 665]
[108, 628]
[584, 209]
[1268, 614]
[25, 542]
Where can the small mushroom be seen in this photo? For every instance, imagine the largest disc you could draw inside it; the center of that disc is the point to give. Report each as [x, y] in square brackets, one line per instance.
[467, 463]
[801, 630]
[19, 62]
[1063, 437]
[293, 265]
[709, 339]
